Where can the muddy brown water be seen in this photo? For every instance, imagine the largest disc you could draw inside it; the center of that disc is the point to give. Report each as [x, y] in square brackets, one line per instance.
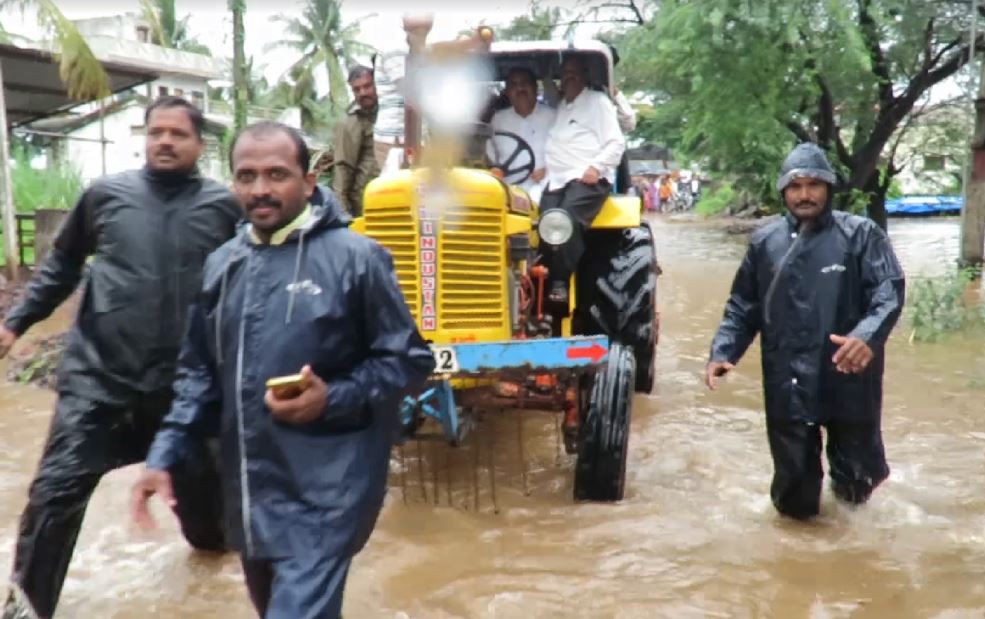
[695, 537]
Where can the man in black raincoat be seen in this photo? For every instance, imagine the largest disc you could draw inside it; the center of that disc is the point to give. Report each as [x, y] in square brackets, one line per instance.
[147, 232]
[823, 289]
[303, 476]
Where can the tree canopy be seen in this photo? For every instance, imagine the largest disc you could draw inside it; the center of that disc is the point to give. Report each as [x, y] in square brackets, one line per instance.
[169, 31]
[538, 24]
[739, 82]
[323, 41]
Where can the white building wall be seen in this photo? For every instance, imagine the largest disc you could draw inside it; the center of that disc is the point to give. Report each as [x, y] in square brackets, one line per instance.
[125, 150]
[191, 88]
[118, 26]
[126, 132]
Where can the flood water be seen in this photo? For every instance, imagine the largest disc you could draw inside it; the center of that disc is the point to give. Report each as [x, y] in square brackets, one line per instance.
[696, 535]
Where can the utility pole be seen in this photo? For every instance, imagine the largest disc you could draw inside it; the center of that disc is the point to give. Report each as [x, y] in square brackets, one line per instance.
[973, 213]
[7, 192]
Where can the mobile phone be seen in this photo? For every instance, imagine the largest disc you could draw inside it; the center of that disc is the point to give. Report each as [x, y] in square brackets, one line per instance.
[287, 387]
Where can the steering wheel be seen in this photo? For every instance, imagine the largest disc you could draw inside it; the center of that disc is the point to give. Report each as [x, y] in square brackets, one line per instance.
[504, 164]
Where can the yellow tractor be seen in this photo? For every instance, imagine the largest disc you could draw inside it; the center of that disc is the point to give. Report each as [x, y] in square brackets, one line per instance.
[466, 260]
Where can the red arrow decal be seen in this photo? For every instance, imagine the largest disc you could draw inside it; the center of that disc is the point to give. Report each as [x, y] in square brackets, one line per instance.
[595, 352]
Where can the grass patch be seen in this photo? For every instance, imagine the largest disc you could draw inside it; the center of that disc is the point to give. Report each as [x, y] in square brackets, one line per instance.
[940, 306]
[57, 186]
[717, 200]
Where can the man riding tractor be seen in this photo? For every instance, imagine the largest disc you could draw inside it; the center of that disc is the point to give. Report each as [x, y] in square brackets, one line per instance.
[475, 260]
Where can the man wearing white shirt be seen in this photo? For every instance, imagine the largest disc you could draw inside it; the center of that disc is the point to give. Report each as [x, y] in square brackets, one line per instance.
[531, 121]
[583, 151]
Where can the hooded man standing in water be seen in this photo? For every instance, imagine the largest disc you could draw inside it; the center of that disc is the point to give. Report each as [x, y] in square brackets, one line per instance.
[304, 474]
[823, 289]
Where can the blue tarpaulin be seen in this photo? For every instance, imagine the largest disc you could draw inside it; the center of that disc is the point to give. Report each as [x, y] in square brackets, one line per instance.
[925, 205]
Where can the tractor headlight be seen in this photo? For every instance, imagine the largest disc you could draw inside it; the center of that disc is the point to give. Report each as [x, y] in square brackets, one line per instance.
[555, 227]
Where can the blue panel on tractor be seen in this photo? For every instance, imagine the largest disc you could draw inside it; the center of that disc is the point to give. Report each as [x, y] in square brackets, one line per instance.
[534, 354]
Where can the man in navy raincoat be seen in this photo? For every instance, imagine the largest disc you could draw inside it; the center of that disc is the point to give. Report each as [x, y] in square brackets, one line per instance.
[823, 289]
[303, 477]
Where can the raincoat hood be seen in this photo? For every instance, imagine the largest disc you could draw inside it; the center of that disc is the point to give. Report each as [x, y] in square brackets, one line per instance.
[806, 160]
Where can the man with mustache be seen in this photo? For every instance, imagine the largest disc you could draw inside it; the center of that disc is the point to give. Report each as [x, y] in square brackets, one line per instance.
[584, 148]
[528, 119]
[138, 242]
[304, 473]
[823, 289]
[354, 156]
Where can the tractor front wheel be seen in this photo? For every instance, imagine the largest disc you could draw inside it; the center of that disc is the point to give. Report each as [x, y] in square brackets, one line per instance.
[617, 294]
[600, 472]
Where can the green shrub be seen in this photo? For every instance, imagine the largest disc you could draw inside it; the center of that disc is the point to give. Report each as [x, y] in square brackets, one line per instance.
[940, 305]
[57, 186]
[717, 200]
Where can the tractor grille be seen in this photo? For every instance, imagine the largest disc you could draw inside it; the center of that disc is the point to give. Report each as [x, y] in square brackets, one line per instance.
[472, 268]
[394, 228]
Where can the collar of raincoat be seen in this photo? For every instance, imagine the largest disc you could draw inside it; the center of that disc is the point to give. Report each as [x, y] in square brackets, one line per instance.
[278, 237]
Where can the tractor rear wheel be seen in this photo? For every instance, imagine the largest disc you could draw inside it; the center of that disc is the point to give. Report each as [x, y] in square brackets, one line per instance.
[617, 294]
[600, 472]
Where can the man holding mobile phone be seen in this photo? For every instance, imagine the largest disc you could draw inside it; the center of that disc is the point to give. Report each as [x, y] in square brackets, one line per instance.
[304, 474]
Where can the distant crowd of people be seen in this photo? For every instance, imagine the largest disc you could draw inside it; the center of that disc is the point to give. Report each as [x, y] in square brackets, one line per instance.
[668, 193]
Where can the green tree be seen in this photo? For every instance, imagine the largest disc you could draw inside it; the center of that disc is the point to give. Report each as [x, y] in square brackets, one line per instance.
[538, 24]
[167, 30]
[323, 40]
[297, 89]
[747, 79]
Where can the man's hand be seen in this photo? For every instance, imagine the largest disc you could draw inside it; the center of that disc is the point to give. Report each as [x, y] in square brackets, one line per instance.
[714, 370]
[853, 355]
[151, 482]
[306, 407]
[591, 176]
[538, 175]
[7, 339]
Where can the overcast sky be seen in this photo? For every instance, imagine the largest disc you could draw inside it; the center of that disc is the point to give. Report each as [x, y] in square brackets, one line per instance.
[381, 26]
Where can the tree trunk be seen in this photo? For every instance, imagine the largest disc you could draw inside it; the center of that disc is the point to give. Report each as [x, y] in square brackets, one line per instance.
[338, 96]
[7, 193]
[238, 8]
[877, 206]
[973, 212]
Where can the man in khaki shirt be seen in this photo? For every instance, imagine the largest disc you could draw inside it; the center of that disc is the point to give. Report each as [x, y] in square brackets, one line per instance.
[355, 160]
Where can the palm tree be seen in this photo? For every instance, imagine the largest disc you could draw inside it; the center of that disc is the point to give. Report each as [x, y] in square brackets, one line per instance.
[240, 76]
[167, 30]
[323, 40]
[297, 89]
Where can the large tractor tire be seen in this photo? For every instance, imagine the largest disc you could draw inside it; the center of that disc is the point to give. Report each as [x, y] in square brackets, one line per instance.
[617, 294]
[600, 472]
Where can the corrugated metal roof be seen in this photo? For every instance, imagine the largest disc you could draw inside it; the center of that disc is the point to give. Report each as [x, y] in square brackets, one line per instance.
[33, 88]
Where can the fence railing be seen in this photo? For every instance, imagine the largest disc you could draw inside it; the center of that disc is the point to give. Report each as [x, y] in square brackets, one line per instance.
[35, 234]
[25, 237]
